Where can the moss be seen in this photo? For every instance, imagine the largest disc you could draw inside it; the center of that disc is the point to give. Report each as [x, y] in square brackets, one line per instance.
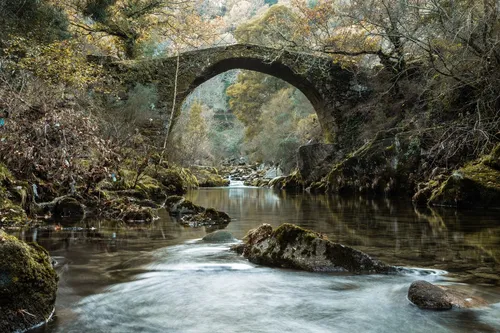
[381, 166]
[12, 198]
[288, 233]
[146, 187]
[28, 284]
[422, 196]
[5, 175]
[493, 159]
[176, 180]
[209, 177]
[173, 199]
[292, 182]
[475, 185]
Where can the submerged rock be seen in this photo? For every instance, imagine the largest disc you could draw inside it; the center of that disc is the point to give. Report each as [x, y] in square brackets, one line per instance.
[219, 236]
[28, 284]
[290, 246]
[426, 295]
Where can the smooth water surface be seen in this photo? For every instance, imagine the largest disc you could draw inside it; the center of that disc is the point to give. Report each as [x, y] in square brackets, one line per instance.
[163, 278]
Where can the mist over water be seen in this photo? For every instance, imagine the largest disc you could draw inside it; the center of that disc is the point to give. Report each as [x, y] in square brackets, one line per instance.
[163, 278]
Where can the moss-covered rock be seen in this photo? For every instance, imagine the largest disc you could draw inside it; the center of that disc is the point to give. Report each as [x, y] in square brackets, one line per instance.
[290, 246]
[129, 185]
[292, 182]
[493, 159]
[127, 209]
[209, 177]
[475, 185]
[176, 180]
[385, 165]
[28, 284]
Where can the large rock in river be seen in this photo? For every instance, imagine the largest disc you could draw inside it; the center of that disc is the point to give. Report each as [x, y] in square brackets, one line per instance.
[426, 295]
[290, 246]
[28, 285]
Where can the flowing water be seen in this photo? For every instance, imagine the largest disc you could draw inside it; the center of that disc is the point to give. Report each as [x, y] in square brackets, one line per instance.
[163, 278]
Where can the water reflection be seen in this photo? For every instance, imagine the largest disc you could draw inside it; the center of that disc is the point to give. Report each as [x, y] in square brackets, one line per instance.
[466, 243]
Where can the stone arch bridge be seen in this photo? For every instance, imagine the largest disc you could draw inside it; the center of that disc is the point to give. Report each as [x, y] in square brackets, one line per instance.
[329, 87]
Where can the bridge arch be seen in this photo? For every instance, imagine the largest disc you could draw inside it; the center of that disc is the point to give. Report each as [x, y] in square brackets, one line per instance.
[326, 84]
[277, 70]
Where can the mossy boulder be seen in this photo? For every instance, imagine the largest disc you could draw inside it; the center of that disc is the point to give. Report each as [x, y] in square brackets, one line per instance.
[28, 284]
[290, 246]
[176, 180]
[475, 185]
[292, 182]
[209, 177]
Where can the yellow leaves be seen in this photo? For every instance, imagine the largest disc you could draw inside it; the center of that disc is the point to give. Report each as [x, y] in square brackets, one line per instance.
[57, 62]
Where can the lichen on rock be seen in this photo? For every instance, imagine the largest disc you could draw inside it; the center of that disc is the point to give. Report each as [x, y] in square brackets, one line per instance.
[28, 284]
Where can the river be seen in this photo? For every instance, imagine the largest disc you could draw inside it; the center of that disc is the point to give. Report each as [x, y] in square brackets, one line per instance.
[163, 278]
